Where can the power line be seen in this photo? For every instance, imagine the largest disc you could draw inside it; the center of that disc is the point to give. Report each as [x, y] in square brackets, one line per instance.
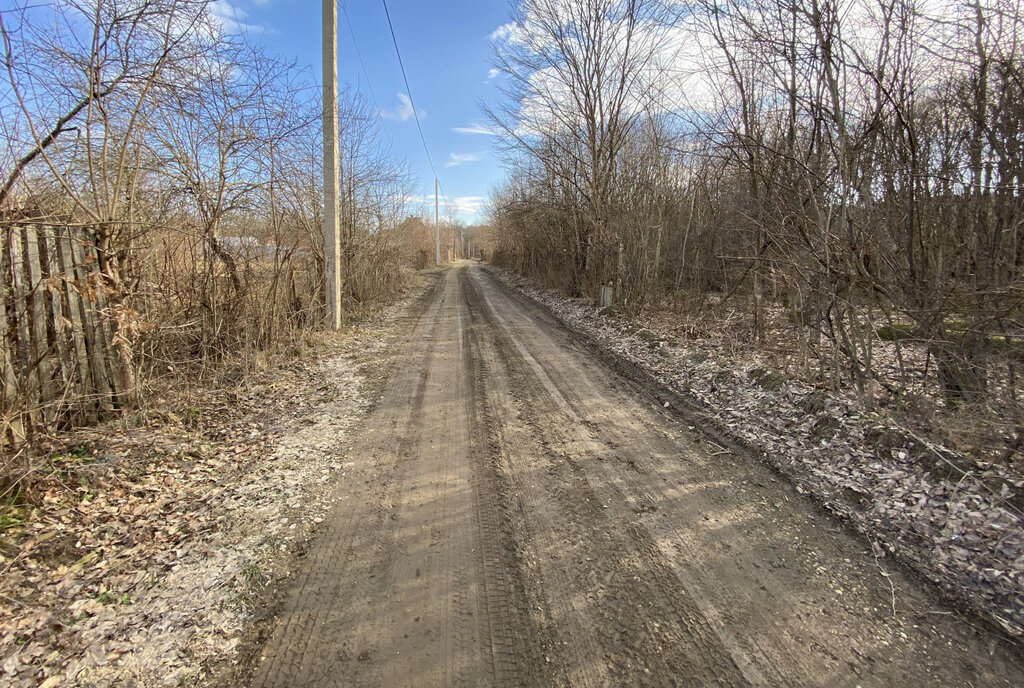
[412, 104]
[362, 66]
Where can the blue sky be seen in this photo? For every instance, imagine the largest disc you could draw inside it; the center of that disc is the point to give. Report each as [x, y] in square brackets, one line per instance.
[447, 58]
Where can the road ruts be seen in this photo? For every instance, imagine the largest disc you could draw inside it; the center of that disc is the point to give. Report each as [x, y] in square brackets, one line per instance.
[518, 514]
[409, 582]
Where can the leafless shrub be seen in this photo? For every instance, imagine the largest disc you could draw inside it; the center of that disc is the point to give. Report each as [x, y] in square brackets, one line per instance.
[192, 160]
[847, 176]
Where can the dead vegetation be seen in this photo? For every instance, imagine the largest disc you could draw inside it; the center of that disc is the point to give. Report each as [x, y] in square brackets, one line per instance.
[137, 552]
[833, 190]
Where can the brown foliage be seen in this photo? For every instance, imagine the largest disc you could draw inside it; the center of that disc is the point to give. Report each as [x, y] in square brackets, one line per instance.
[191, 163]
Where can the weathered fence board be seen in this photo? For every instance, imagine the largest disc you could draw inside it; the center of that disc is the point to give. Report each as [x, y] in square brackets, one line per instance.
[65, 369]
[10, 416]
[19, 305]
[74, 310]
[37, 308]
[59, 359]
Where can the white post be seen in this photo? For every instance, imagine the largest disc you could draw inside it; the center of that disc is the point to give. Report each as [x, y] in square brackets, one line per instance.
[437, 226]
[332, 239]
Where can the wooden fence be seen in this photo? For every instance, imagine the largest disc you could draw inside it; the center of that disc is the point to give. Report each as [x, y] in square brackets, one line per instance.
[60, 362]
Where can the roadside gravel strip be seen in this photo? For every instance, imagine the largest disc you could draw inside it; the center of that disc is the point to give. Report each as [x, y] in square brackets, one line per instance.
[959, 523]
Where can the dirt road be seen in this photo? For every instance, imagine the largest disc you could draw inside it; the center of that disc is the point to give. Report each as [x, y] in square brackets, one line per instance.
[516, 513]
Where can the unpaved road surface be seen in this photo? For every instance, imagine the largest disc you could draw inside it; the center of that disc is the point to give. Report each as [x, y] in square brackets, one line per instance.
[518, 514]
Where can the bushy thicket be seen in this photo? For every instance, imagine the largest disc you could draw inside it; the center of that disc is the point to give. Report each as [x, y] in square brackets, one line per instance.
[859, 165]
[193, 162]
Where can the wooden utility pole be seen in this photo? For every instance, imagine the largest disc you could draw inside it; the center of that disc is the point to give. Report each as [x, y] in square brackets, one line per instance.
[437, 226]
[332, 239]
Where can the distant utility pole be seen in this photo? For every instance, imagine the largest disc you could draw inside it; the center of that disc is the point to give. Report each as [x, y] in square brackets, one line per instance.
[437, 226]
[332, 238]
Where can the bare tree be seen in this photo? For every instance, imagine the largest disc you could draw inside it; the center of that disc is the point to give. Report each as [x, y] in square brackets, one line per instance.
[856, 165]
[578, 83]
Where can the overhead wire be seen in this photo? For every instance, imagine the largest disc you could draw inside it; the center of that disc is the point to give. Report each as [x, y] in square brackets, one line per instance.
[408, 90]
[362, 66]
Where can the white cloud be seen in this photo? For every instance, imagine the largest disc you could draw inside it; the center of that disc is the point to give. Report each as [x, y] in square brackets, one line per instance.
[231, 17]
[418, 200]
[456, 159]
[477, 129]
[492, 75]
[463, 207]
[466, 206]
[403, 110]
[503, 32]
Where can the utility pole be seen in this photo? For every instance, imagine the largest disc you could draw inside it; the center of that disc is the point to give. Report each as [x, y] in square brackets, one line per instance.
[332, 239]
[437, 226]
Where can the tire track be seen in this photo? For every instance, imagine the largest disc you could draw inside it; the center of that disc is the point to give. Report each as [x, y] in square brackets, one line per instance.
[615, 563]
[519, 515]
[793, 598]
[513, 640]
